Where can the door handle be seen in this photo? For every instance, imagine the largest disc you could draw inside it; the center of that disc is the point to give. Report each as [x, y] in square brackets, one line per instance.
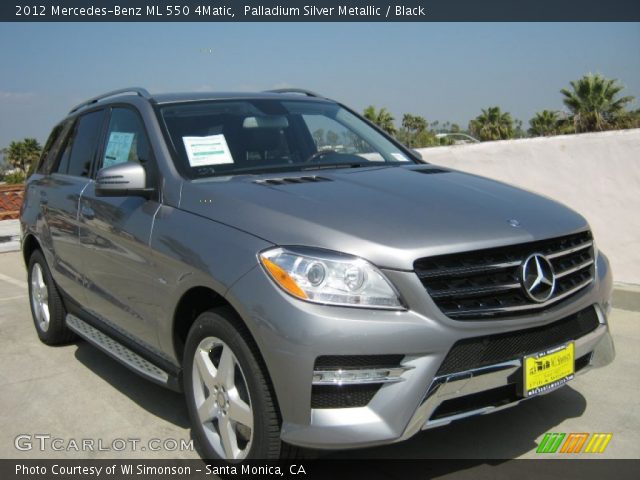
[87, 212]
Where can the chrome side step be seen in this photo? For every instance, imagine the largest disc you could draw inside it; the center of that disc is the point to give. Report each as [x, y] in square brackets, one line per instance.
[116, 350]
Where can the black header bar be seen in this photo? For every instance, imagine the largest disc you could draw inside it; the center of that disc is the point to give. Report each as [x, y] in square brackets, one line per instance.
[320, 10]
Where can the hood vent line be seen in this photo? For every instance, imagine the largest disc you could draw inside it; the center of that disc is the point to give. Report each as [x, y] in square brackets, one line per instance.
[292, 180]
[430, 171]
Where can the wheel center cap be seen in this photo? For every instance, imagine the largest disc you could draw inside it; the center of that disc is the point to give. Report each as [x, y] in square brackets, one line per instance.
[221, 399]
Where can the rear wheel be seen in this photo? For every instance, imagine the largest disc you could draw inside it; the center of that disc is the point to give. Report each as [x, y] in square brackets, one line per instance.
[229, 399]
[47, 309]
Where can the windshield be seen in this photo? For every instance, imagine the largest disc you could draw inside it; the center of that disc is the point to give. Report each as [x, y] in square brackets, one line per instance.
[257, 136]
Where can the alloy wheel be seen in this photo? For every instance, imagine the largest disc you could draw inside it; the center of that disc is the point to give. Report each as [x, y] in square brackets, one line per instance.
[222, 399]
[40, 298]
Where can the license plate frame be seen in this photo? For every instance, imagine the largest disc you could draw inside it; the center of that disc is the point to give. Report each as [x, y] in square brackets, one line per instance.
[547, 370]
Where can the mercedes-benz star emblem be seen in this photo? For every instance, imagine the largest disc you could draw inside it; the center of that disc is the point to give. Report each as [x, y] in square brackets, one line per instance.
[537, 277]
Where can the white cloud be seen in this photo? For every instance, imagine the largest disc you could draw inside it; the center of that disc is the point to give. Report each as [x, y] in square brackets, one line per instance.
[15, 96]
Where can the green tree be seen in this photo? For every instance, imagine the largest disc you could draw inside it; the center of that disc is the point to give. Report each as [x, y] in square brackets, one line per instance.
[630, 119]
[492, 124]
[544, 124]
[23, 155]
[593, 103]
[382, 118]
[413, 127]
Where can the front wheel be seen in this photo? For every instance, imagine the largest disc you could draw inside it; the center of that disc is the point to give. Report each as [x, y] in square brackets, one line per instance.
[230, 404]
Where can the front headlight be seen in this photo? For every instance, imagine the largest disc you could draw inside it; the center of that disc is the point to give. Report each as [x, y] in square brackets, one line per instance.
[329, 278]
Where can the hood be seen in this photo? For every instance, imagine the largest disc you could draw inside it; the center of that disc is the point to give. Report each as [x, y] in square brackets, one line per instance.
[390, 216]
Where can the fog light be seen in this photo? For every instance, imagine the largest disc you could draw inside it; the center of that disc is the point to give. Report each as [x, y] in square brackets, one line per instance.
[352, 376]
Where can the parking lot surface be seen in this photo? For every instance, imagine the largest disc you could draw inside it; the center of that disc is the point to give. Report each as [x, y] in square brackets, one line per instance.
[75, 392]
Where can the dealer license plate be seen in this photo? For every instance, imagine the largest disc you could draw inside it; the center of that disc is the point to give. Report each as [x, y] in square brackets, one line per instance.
[547, 370]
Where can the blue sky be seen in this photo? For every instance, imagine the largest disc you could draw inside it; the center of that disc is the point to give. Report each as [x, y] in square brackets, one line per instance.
[442, 71]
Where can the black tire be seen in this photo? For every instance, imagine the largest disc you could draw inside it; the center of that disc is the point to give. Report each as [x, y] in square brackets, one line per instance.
[56, 332]
[223, 324]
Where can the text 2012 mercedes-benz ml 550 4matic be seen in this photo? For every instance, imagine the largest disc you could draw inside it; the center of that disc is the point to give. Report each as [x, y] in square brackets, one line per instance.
[303, 278]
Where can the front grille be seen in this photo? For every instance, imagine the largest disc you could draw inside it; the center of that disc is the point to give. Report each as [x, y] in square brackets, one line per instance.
[479, 352]
[342, 396]
[486, 284]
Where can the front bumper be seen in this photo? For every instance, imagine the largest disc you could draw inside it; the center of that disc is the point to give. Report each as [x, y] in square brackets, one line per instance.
[291, 334]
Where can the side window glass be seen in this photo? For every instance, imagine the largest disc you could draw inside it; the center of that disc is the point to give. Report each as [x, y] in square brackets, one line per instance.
[63, 164]
[49, 152]
[126, 139]
[80, 147]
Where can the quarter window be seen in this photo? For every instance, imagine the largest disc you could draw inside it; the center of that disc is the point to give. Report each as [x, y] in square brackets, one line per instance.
[52, 147]
[80, 149]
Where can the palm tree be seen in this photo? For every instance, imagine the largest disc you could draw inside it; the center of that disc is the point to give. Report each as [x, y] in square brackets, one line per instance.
[544, 124]
[412, 127]
[492, 124]
[593, 104]
[382, 118]
[24, 154]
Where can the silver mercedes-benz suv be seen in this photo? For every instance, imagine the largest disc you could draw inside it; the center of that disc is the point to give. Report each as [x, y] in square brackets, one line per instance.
[305, 279]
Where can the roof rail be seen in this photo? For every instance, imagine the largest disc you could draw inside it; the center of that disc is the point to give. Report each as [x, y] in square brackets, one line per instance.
[137, 90]
[308, 93]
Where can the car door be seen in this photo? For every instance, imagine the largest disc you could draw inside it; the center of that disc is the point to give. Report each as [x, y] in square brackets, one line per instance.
[59, 194]
[115, 235]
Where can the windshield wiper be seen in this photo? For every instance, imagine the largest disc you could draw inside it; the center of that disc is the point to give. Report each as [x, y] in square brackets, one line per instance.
[297, 167]
[258, 170]
[322, 166]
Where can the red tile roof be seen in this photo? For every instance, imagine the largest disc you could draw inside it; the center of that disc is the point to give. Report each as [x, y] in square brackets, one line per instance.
[10, 201]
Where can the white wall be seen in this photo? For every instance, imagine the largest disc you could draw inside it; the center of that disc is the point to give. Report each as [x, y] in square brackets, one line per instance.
[597, 174]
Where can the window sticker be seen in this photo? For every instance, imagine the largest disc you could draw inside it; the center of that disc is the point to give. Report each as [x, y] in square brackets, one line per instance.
[118, 148]
[400, 157]
[211, 150]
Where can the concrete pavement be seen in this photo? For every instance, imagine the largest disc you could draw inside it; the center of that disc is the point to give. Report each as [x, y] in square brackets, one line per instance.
[9, 235]
[75, 392]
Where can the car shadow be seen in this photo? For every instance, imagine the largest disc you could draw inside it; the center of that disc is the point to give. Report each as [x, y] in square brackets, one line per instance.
[157, 400]
[506, 434]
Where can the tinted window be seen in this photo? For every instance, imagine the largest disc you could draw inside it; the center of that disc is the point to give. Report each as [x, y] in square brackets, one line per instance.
[126, 139]
[52, 147]
[81, 146]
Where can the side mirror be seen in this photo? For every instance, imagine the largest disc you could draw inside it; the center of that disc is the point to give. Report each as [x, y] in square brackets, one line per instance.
[123, 180]
[417, 153]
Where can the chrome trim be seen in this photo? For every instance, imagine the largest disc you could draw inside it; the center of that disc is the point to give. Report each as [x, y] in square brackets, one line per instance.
[598, 344]
[496, 266]
[470, 291]
[571, 270]
[466, 270]
[528, 306]
[378, 375]
[569, 251]
[116, 350]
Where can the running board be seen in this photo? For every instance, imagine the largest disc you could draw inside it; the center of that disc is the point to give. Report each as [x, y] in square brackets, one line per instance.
[116, 350]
